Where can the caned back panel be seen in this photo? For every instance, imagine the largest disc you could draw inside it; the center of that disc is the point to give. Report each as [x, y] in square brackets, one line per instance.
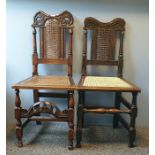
[103, 36]
[52, 39]
[52, 34]
[103, 44]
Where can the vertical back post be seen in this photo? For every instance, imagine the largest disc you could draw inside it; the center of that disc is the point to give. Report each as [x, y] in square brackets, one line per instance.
[84, 59]
[42, 42]
[34, 55]
[62, 53]
[70, 52]
[120, 58]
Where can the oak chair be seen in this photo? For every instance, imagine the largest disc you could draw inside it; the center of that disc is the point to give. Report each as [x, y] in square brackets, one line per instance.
[52, 34]
[103, 38]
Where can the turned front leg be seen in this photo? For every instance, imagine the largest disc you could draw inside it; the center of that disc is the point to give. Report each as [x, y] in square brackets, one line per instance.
[133, 115]
[79, 120]
[71, 121]
[19, 131]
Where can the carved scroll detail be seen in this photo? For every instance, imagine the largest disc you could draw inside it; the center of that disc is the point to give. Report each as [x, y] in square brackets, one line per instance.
[39, 18]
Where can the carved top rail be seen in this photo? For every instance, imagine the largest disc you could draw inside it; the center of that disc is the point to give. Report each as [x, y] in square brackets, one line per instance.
[117, 24]
[65, 19]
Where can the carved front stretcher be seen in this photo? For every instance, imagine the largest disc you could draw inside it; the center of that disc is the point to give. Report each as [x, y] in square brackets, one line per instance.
[44, 107]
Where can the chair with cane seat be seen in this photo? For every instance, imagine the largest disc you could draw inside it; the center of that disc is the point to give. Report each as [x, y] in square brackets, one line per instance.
[103, 38]
[52, 44]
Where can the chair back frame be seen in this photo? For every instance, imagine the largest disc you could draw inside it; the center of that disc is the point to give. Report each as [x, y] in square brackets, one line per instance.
[103, 43]
[52, 35]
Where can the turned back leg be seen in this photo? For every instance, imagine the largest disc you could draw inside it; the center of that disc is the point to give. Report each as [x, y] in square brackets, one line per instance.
[133, 115]
[71, 121]
[117, 105]
[80, 120]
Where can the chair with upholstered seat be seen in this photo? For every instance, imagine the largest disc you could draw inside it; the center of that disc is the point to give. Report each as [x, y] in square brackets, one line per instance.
[52, 44]
[103, 45]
